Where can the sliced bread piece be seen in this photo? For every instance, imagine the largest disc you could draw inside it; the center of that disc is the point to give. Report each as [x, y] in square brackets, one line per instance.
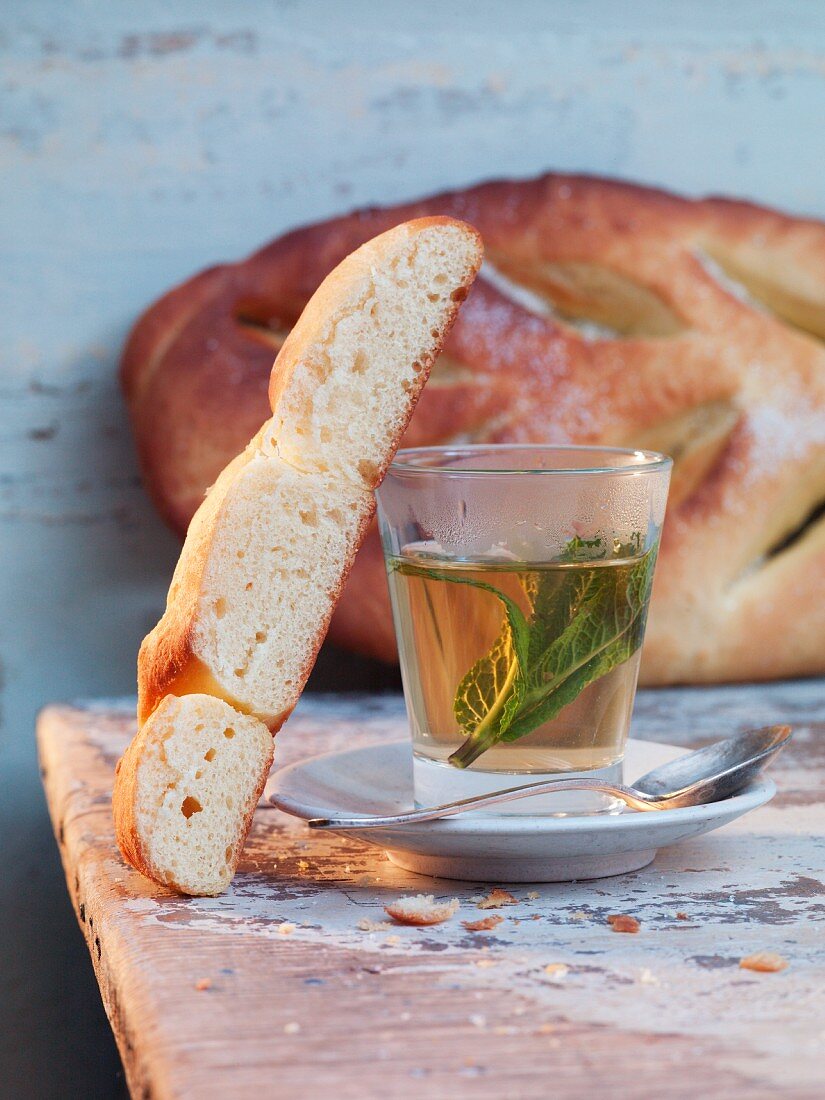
[269, 550]
[349, 373]
[187, 788]
[253, 591]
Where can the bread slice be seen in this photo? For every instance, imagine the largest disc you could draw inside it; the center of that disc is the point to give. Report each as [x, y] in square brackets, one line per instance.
[268, 551]
[254, 588]
[187, 788]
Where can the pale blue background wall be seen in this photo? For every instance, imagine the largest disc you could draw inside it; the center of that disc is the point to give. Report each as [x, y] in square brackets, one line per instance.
[139, 142]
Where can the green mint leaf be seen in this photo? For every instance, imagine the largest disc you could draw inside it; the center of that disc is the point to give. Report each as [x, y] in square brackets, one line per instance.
[582, 625]
[553, 603]
[543, 705]
[489, 696]
[604, 611]
[579, 549]
[608, 601]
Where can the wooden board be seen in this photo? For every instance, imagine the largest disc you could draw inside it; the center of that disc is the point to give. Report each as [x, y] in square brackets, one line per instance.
[279, 986]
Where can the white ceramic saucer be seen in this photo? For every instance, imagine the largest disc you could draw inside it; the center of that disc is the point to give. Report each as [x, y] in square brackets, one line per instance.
[507, 848]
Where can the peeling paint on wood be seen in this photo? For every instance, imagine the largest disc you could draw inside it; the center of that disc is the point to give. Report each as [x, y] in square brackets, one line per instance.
[298, 993]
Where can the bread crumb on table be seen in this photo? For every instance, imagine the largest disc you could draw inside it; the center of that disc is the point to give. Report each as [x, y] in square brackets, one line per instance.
[367, 925]
[763, 962]
[485, 925]
[421, 909]
[623, 922]
[286, 928]
[496, 898]
[204, 983]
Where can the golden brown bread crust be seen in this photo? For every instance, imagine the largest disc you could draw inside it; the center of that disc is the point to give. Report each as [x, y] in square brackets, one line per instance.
[167, 663]
[124, 806]
[715, 311]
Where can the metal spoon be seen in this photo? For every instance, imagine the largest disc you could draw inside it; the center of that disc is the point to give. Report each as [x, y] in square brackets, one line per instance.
[706, 775]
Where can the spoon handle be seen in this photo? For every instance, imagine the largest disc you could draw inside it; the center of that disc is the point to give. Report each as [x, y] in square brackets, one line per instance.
[634, 799]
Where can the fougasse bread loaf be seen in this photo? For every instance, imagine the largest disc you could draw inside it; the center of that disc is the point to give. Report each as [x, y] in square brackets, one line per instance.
[269, 549]
[606, 313]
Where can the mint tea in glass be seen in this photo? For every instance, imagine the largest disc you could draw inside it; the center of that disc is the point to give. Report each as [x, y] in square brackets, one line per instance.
[520, 579]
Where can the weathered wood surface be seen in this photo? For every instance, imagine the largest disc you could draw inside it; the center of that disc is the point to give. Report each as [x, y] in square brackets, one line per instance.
[328, 1009]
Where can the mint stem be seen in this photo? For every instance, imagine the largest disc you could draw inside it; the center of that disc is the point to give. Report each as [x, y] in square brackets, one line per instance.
[472, 748]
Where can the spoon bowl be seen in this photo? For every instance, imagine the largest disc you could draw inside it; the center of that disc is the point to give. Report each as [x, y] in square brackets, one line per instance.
[716, 771]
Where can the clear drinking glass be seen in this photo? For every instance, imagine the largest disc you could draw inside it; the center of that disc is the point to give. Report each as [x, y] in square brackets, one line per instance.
[520, 578]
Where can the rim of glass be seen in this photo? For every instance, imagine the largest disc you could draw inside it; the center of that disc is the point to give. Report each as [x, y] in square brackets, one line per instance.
[405, 460]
